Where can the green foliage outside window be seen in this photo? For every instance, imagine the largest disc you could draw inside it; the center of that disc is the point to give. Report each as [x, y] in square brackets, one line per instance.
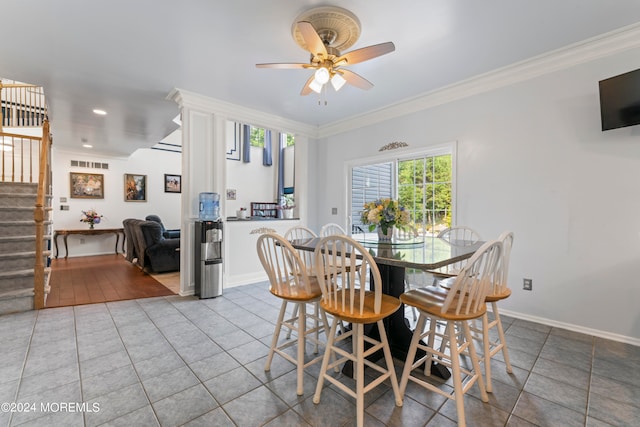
[424, 188]
[290, 140]
[257, 137]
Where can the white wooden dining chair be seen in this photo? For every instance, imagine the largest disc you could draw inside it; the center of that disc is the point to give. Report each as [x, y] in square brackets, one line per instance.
[499, 290]
[459, 236]
[300, 232]
[347, 299]
[290, 281]
[414, 278]
[456, 305]
[331, 229]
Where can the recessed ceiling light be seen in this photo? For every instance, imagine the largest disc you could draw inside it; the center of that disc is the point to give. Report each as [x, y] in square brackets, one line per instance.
[87, 145]
[100, 112]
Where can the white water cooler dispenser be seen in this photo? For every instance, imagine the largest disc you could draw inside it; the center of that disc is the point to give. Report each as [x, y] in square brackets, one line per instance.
[208, 259]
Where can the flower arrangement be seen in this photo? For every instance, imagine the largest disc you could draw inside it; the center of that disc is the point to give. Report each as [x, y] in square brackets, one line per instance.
[385, 213]
[91, 217]
[286, 202]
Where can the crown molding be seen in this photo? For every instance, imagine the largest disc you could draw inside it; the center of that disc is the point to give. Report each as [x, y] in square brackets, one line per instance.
[584, 51]
[577, 53]
[239, 113]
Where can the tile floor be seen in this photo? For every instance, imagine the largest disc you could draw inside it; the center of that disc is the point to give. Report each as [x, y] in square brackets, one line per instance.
[173, 361]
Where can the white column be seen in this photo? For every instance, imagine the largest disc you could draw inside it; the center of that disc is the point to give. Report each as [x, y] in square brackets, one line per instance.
[202, 171]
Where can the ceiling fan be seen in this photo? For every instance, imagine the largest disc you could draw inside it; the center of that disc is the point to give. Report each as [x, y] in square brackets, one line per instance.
[324, 31]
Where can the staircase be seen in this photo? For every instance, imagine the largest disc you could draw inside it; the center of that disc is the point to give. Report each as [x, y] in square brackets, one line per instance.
[18, 246]
[25, 197]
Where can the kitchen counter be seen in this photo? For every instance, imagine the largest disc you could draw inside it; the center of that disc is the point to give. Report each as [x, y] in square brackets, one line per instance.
[259, 218]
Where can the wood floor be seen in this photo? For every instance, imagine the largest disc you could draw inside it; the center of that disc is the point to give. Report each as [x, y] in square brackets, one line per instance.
[101, 278]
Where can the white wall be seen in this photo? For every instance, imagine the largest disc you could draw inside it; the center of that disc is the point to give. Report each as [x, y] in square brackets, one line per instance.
[532, 159]
[252, 181]
[153, 163]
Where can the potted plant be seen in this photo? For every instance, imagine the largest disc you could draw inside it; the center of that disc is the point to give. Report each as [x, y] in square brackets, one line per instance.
[286, 205]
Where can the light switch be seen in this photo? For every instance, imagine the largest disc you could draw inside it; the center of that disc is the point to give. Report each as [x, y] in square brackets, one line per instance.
[334, 211]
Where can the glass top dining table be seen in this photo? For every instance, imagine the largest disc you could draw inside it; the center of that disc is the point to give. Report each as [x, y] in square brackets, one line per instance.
[392, 258]
[421, 252]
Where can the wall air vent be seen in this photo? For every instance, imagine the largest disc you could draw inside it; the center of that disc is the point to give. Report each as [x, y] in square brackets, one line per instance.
[91, 165]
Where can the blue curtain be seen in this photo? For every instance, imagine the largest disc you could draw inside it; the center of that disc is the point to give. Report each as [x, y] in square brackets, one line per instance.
[280, 165]
[267, 156]
[246, 143]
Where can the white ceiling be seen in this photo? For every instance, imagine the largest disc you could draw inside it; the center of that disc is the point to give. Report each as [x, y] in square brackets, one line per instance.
[125, 56]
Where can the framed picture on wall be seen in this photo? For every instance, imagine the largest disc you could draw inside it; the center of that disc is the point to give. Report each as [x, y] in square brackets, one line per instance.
[135, 187]
[172, 183]
[86, 185]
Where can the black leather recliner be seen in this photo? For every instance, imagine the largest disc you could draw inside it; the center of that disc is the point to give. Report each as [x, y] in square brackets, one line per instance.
[168, 234]
[160, 254]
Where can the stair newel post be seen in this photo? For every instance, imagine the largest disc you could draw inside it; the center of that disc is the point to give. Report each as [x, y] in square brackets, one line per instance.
[39, 216]
[1, 113]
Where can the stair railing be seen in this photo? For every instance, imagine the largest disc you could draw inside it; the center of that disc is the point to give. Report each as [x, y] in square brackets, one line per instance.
[23, 106]
[39, 215]
[17, 156]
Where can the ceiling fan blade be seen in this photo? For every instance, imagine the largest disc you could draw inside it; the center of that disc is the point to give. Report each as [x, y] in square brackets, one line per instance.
[276, 65]
[306, 90]
[356, 80]
[311, 39]
[366, 53]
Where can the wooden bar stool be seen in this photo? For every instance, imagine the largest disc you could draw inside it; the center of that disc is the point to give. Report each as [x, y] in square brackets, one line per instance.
[499, 291]
[341, 263]
[289, 280]
[456, 305]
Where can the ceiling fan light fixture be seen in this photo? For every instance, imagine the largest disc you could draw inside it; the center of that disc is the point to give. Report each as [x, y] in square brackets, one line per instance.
[324, 32]
[337, 81]
[315, 86]
[322, 75]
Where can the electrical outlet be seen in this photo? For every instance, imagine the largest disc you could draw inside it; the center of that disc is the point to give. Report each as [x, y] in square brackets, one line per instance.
[527, 284]
[82, 241]
[334, 211]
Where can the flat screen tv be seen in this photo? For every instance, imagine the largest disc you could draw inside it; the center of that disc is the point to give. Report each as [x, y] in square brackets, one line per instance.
[620, 100]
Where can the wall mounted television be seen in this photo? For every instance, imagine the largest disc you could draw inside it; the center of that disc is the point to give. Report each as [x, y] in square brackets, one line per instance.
[620, 100]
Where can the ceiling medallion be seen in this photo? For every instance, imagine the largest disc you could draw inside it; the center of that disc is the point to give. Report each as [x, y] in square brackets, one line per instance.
[339, 27]
[393, 146]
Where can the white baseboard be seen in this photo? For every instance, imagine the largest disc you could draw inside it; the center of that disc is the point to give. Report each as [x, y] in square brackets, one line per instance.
[572, 327]
[244, 279]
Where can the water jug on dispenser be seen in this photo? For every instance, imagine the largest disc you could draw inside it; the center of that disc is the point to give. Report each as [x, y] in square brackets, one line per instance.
[209, 206]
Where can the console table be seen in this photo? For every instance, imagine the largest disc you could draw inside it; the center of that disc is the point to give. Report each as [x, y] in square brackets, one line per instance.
[87, 232]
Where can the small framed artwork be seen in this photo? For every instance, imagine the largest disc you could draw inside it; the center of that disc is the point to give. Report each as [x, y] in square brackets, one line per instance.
[172, 183]
[231, 194]
[86, 185]
[135, 187]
